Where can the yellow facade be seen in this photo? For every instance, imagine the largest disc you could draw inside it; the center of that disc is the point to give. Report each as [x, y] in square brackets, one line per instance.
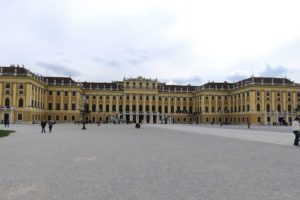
[26, 97]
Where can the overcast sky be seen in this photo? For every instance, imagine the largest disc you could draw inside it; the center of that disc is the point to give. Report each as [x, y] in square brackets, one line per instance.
[178, 41]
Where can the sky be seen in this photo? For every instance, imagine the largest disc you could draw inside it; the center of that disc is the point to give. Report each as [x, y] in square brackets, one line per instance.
[177, 42]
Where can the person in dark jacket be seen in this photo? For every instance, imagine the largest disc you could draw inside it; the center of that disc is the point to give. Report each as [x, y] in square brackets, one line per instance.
[43, 125]
[296, 127]
[50, 124]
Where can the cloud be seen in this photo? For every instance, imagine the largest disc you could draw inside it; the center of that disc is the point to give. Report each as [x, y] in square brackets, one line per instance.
[279, 71]
[57, 69]
[195, 80]
[236, 77]
[113, 63]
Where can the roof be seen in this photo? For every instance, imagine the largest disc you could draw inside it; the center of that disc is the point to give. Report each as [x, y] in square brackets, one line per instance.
[100, 85]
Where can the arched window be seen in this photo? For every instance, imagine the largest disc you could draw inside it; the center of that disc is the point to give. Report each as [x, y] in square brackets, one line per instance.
[114, 108]
[278, 108]
[258, 107]
[134, 108]
[21, 103]
[120, 108]
[147, 108]
[153, 108]
[127, 108]
[100, 108]
[7, 102]
[289, 108]
[94, 108]
[107, 108]
[140, 108]
[268, 108]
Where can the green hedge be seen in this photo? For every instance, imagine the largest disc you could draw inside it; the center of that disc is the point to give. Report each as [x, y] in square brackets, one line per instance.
[4, 133]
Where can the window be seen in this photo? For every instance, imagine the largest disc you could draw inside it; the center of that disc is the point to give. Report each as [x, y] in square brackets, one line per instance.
[153, 98]
[66, 93]
[94, 96]
[133, 97]
[289, 108]
[278, 108]
[107, 97]
[268, 108]
[94, 108]
[73, 118]
[258, 107]
[166, 109]
[49, 106]
[57, 93]
[73, 106]
[65, 118]
[57, 117]
[58, 106]
[107, 108]
[21, 86]
[159, 109]
[7, 102]
[153, 108]
[7, 85]
[140, 108]
[20, 116]
[50, 92]
[127, 108]
[21, 102]
[74, 93]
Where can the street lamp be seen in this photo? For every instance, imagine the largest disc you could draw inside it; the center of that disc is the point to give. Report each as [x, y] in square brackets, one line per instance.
[85, 110]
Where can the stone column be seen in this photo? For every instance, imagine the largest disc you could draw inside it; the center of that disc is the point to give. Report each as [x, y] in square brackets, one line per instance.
[209, 103]
[273, 108]
[117, 103]
[284, 102]
[28, 93]
[1, 95]
[130, 104]
[70, 100]
[130, 116]
[14, 94]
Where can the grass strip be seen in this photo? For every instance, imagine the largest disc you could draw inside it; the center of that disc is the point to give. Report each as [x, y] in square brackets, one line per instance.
[4, 133]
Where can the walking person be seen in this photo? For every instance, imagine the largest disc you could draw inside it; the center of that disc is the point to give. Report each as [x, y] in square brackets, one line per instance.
[296, 128]
[43, 125]
[50, 126]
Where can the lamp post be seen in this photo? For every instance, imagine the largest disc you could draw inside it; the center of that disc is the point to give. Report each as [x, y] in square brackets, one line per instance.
[85, 110]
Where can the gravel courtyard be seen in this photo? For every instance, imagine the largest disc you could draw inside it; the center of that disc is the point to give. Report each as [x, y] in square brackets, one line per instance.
[156, 162]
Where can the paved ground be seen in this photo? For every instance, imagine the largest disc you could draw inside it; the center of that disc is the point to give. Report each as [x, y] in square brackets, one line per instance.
[118, 162]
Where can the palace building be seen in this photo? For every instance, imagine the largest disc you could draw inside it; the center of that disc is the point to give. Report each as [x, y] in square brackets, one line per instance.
[26, 97]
